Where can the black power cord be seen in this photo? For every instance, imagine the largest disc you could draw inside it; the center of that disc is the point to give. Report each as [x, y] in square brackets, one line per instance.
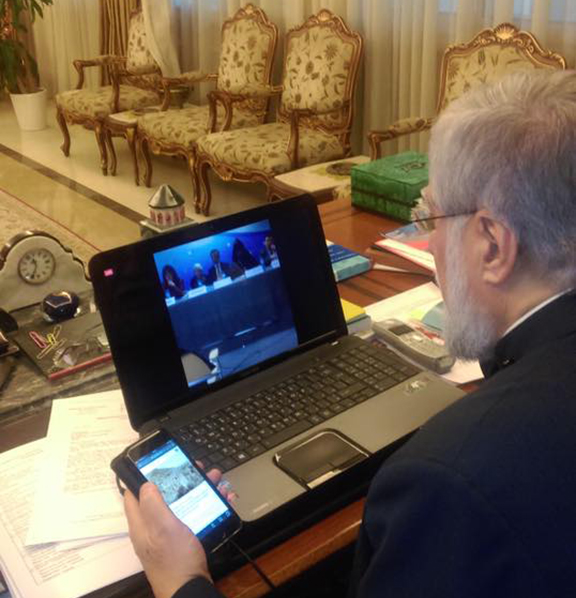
[254, 564]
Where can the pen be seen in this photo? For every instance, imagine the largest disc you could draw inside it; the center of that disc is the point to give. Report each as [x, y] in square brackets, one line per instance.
[377, 266]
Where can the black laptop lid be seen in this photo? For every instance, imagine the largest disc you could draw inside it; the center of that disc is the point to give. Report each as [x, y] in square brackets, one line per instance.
[196, 309]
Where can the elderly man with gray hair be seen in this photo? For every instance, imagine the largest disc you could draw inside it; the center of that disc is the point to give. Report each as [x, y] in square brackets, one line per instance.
[482, 500]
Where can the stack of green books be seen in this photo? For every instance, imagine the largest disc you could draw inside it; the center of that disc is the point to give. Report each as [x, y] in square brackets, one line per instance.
[390, 185]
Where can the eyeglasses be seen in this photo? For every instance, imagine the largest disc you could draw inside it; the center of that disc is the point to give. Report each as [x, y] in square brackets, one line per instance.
[430, 218]
[424, 207]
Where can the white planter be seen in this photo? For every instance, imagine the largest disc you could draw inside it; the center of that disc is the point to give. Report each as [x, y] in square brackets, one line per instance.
[30, 109]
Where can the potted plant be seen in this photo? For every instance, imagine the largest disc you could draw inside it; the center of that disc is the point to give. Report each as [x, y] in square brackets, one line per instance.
[18, 69]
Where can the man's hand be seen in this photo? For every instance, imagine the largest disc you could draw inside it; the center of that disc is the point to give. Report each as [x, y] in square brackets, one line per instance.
[169, 552]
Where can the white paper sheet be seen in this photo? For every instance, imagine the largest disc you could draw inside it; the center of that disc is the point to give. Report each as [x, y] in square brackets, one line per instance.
[77, 493]
[422, 298]
[74, 544]
[41, 571]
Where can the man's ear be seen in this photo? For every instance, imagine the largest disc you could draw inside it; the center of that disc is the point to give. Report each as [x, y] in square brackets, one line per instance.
[497, 247]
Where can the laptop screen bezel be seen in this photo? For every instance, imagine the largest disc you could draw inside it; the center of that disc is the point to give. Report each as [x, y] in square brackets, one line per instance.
[136, 261]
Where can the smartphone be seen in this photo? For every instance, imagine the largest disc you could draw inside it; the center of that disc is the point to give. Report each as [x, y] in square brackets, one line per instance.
[191, 496]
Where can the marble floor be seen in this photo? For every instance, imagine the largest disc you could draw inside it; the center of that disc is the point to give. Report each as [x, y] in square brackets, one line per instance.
[102, 209]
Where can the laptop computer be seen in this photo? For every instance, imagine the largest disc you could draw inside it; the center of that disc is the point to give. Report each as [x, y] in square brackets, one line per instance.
[230, 334]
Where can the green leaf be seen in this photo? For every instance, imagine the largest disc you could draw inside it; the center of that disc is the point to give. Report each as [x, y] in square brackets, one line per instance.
[18, 69]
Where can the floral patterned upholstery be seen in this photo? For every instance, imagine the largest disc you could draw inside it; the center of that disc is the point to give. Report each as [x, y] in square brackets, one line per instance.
[152, 81]
[264, 148]
[243, 60]
[317, 74]
[98, 103]
[485, 65]
[136, 84]
[183, 127]
[138, 57]
[343, 191]
[243, 56]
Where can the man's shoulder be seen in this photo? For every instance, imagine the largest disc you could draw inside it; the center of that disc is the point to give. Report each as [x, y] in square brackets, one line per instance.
[507, 427]
[520, 399]
[494, 460]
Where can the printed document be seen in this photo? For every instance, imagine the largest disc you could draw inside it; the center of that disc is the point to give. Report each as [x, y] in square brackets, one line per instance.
[77, 495]
[42, 571]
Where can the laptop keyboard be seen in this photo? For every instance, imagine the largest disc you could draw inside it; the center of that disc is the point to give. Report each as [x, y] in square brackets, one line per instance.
[243, 430]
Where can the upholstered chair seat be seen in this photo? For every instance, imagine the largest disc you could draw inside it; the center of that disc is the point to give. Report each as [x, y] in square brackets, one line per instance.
[99, 103]
[243, 149]
[186, 125]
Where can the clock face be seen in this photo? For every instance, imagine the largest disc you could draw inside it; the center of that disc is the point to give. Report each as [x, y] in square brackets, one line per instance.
[36, 266]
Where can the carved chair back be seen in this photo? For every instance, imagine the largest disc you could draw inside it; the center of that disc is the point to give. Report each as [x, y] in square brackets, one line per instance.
[321, 63]
[247, 51]
[488, 56]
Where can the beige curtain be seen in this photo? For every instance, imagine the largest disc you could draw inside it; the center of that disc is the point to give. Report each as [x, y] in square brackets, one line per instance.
[114, 20]
[67, 32]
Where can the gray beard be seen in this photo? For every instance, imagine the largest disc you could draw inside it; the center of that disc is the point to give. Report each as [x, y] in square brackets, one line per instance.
[469, 331]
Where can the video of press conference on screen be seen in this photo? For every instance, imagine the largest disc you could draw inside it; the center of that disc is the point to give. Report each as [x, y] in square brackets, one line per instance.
[227, 302]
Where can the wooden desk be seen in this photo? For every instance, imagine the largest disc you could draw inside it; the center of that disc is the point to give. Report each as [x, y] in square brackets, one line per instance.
[352, 228]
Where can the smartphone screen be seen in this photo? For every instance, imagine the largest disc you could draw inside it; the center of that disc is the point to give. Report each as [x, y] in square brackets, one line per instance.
[187, 493]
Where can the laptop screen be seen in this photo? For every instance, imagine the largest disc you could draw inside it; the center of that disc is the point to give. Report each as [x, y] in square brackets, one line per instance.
[227, 301]
[194, 310]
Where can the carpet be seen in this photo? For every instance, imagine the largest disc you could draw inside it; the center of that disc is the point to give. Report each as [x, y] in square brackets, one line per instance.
[17, 216]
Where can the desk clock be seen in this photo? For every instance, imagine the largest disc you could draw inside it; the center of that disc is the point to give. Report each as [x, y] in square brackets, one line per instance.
[34, 264]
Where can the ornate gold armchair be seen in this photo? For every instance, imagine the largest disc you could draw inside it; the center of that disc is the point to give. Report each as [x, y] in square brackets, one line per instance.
[314, 115]
[247, 52]
[136, 83]
[491, 54]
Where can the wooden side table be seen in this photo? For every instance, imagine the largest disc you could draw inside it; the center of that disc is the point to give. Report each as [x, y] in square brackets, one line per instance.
[124, 124]
[320, 180]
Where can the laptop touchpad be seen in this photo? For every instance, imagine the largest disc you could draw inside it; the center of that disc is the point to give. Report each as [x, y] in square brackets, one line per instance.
[317, 458]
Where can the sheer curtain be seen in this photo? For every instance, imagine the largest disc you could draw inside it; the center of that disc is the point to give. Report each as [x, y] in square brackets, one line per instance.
[69, 30]
[160, 32]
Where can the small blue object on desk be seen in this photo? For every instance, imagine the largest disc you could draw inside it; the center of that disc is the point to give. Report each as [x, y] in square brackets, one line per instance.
[347, 263]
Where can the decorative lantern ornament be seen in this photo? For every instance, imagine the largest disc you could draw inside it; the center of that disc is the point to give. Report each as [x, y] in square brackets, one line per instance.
[166, 212]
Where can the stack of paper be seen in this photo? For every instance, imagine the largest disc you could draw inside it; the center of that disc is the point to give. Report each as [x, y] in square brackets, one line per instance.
[62, 527]
[410, 243]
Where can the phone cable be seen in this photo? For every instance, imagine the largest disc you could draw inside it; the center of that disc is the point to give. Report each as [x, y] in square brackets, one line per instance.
[254, 564]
